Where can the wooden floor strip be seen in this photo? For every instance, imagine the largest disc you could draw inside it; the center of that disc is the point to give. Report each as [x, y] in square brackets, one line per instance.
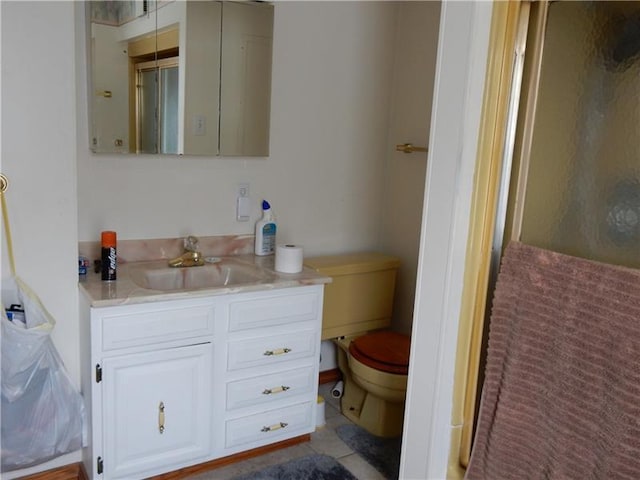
[76, 471]
[73, 471]
[329, 376]
[221, 462]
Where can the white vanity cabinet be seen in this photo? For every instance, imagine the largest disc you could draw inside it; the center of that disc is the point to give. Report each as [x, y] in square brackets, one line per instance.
[175, 383]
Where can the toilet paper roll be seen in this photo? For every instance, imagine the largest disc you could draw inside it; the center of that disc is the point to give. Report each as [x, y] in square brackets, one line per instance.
[336, 391]
[289, 258]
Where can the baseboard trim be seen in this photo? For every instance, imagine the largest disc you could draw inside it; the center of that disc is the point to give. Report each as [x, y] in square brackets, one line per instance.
[73, 471]
[76, 471]
[221, 462]
[329, 376]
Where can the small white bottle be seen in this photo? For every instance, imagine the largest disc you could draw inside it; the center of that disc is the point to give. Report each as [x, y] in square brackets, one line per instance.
[265, 232]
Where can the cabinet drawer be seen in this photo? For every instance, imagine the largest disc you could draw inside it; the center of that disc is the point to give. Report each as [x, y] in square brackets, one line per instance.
[268, 388]
[156, 326]
[276, 310]
[270, 426]
[272, 349]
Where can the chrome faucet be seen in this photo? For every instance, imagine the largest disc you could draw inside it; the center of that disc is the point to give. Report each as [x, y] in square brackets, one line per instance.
[191, 256]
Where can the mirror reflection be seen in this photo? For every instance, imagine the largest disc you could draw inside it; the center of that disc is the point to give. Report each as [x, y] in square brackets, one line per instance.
[180, 77]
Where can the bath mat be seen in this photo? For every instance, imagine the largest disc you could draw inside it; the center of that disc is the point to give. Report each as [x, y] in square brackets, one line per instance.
[381, 453]
[311, 467]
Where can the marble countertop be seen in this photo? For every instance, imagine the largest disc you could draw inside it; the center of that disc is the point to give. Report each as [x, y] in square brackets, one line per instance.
[125, 291]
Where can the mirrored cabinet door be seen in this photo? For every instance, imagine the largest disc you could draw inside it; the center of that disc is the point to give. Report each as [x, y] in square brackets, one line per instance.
[180, 77]
[245, 83]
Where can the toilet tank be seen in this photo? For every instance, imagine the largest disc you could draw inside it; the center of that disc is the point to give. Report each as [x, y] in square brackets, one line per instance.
[360, 296]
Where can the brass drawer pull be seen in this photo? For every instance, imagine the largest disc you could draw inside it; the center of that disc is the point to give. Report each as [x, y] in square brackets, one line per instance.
[161, 417]
[269, 391]
[277, 351]
[271, 428]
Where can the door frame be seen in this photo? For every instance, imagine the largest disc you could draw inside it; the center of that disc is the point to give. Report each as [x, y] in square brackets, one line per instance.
[512, 87]
[463, 46]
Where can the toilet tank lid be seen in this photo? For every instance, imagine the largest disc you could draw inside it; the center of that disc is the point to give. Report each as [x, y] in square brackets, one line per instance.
[345, 264]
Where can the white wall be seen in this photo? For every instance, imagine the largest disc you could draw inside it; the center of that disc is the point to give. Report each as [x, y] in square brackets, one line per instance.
[415, 49]
[39, 158]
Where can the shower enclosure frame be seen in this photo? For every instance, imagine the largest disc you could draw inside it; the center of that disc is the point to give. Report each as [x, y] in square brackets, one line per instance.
[511, 103]
[517, 31]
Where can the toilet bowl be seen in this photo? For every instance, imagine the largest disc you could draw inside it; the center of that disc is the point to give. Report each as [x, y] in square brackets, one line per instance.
[372, 359]
[375, 383]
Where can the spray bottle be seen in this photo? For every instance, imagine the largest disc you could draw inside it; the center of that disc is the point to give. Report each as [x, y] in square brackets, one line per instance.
[265, 231]
[109, 263]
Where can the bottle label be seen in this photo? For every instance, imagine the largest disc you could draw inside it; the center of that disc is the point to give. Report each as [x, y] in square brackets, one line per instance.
[269, 238]
[109, 263]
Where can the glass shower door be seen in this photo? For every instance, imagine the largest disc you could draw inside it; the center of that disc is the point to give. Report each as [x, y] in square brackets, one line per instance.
[147, 124]
[574, 185]
[582, 187]
[158, 110]
[169, 109]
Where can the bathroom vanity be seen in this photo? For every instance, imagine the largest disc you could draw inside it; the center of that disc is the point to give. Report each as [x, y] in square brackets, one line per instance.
[186, 375]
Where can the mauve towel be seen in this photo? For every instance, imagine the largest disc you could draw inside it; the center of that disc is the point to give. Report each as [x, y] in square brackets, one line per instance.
[561, 396]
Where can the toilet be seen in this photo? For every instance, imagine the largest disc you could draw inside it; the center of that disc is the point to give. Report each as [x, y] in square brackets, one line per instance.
[373, 360]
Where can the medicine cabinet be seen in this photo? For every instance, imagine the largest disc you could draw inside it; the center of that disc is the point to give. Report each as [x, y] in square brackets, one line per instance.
[180, 77]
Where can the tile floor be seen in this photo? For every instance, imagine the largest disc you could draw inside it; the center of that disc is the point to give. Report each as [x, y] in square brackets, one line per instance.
[323, 441]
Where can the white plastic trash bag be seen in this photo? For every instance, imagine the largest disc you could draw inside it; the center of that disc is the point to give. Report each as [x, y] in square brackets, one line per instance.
[42, 412]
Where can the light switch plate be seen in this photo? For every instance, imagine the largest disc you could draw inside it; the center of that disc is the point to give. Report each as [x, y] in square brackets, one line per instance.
[243, 209]
[199, 125]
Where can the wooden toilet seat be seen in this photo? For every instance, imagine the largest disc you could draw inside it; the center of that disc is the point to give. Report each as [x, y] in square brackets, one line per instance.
[383, 350]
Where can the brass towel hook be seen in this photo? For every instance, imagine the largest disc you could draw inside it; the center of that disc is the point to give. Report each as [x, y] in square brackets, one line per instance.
[4, 183]
[409, 148]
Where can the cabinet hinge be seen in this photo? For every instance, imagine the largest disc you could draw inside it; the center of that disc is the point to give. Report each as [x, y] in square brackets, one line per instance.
[98, 373]
[99, 465]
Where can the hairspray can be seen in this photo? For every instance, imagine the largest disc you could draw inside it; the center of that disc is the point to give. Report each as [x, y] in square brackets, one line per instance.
[109, 255]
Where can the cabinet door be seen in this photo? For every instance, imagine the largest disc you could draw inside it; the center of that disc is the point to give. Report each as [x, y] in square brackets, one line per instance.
[156, 410]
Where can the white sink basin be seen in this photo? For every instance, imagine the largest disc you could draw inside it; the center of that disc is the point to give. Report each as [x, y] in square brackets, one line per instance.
[224, 274]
